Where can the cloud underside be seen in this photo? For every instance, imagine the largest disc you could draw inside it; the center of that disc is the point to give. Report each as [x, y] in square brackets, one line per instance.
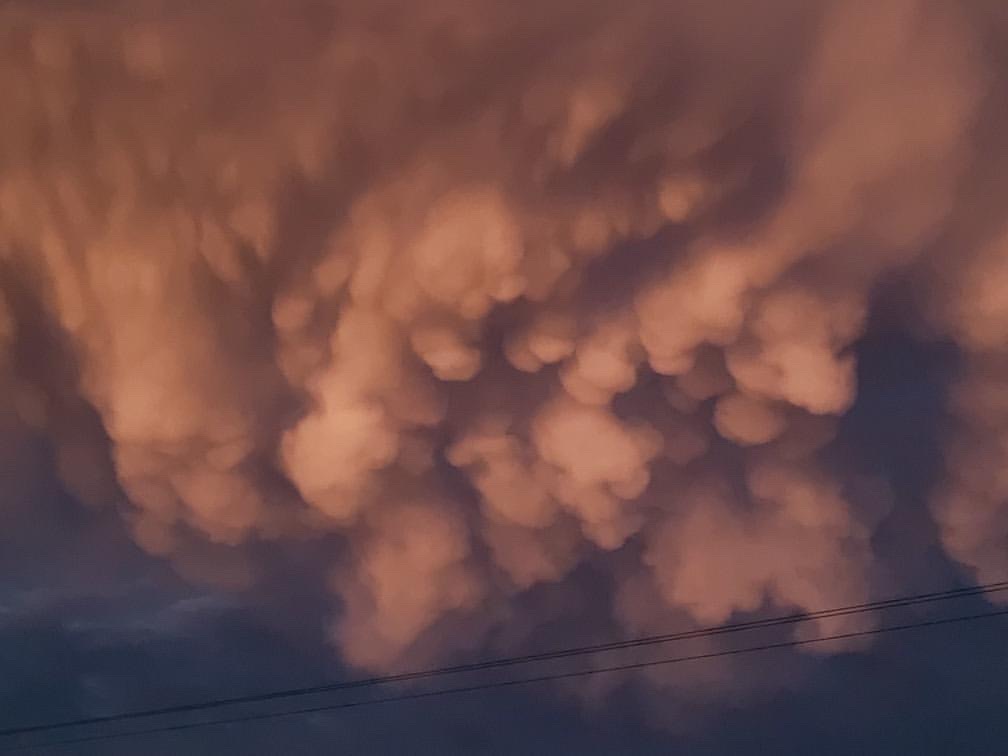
[489, 291]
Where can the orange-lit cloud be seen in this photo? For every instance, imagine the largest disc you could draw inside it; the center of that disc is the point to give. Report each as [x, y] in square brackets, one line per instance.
[491, 292]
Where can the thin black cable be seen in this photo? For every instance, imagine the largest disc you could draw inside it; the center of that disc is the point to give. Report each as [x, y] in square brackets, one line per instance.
[509, 683]
[898, 602]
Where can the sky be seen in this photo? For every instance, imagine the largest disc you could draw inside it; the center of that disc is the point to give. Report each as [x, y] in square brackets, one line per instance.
[341, 338]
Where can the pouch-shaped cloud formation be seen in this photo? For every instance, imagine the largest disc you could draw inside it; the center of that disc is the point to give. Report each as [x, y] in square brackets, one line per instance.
[486, 291]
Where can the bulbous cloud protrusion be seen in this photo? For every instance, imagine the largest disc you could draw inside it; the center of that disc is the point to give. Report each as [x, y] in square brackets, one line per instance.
[491, 293]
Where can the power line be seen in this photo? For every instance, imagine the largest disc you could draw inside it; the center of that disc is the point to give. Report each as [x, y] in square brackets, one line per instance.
[508, 683]
[892, 603]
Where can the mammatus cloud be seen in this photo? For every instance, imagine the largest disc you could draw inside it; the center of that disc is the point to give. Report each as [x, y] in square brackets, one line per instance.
[487, 292]
[972, 503]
